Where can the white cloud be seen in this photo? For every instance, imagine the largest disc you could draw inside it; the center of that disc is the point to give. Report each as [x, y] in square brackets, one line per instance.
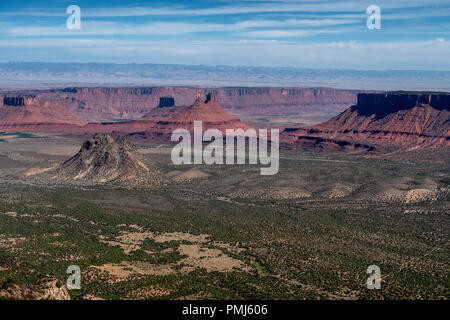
[291, 33]
[91, 28]
[259, 31]
[343, 6]
[423, 55]
[295, 23]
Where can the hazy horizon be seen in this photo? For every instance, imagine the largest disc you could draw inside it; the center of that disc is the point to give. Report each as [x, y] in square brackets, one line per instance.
[221, 65]
[34, 75]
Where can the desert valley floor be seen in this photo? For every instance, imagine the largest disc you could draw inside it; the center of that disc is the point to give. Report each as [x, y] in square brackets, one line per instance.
[225, 232]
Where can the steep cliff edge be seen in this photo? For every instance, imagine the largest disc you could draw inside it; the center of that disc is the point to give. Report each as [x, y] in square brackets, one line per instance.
[209, 112]
[94, 104]
[29, 112]
[165, 110]
[397, 118]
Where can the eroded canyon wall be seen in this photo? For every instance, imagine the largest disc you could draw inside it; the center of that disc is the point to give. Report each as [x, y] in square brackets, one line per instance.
[95, 104]
[394, 118]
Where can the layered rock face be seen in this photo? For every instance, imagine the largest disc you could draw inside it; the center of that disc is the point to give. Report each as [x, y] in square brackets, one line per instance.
[212, 115]
[398, 119]
[209, 112]
[20, 101]
[29, 113]
[394, 118]
[95, 104]
[104, 159]
[284, 100]
[379, 104]
[13, 101]
[166, 102]
[164, 111]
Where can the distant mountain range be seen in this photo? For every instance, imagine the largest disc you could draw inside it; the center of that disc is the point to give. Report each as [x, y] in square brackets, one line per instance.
[20, 75]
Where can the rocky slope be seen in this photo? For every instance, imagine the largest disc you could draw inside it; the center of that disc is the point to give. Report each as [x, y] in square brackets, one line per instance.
[394, 118]
[410, 120]
[103, 159]
[212, 115]
[300, 139]
[47, 288]
[164, 111]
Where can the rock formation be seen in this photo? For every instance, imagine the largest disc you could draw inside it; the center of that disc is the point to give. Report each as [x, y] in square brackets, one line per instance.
[297, 139]
[164, 111]
[102, 107]
[212, 115]
[396, 119]
[14, 101]
[102, 104]
[104, 159]
[166, 102]
[25, 113]
[47, 288]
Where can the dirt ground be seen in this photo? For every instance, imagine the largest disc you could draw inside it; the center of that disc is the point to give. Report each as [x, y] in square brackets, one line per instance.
[195, 255]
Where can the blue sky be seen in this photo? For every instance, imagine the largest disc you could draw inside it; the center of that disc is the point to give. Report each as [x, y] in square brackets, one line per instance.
[307, 34]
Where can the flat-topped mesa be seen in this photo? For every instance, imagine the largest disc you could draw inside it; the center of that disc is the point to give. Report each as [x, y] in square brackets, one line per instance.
[20, 101]
[166, 102]
[210, 97]
[100, 104]
[439, 100]
[382, 104]
[29, 113]
[211, 114]
[164, 110]
[13, 101]
[396, 118]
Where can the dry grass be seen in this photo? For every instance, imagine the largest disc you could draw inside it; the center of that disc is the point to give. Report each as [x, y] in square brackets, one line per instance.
[195, 255]
[60, 150]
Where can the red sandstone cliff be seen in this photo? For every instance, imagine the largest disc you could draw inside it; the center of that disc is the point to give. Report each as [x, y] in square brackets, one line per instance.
[415, 119]
[212, 115]
[113, 103]
[402, 119]
[25, 113]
